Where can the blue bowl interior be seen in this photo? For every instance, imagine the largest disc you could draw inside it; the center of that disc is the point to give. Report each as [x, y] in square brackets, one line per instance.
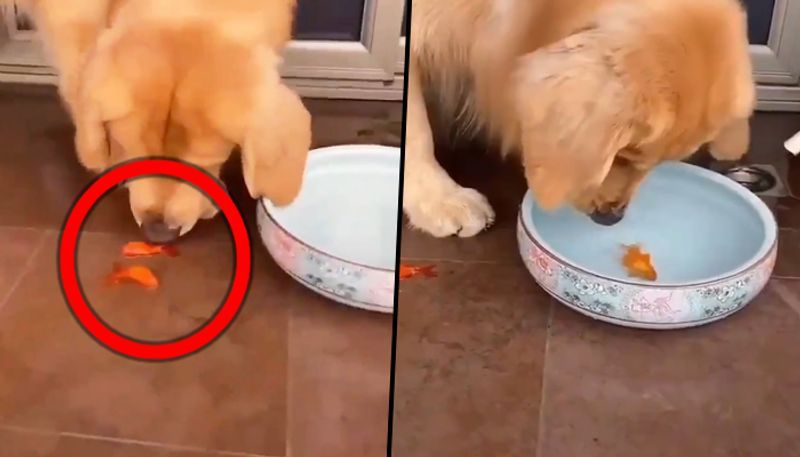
[348, 205]
[698, 226]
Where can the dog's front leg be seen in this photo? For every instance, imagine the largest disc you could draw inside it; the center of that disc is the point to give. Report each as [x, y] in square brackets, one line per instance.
[432, 201]
[69, 31]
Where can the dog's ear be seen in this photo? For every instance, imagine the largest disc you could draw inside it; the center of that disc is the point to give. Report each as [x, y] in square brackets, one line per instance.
[574, 114]
[276, 145]
[732, 142]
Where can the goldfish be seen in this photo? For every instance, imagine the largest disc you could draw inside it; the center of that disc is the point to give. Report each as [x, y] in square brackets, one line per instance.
[639, 264]
[142, 249]
[137, 274]
[409, 271]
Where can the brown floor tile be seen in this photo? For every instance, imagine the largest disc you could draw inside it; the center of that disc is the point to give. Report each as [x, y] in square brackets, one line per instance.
[470, 350]
[788, 262]
[722, 390]
[339, 367]
[39, 175]
[497, 245]
[787, 213]
[19, 246]
[231, 396]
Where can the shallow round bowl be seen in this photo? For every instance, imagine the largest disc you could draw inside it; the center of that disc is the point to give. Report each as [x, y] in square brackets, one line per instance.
[339, 237]
[713, 244]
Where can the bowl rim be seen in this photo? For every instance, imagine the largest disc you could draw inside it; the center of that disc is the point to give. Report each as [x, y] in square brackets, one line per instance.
[765, 249]
[360, 304]
[264, 204]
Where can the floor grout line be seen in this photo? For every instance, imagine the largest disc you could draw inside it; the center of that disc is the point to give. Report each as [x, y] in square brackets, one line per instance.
[22, 227]
[542, 400]
[30, 228]
[457, 261]
[25, 269]
[785, 278]
[128, 441]
[287, 445]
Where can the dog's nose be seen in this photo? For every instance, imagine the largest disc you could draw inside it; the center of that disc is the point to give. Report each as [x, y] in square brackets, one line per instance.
[157, 232]
[607, 218]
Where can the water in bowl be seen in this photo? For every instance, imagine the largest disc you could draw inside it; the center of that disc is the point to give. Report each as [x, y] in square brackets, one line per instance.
[348, 206]
[695, 227]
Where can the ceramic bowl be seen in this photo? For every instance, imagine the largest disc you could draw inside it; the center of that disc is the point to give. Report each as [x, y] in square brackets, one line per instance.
[339, 237]
[713, 244]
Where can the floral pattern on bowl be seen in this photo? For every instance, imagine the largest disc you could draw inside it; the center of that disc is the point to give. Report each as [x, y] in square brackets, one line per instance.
[356, 285]
[640, 305]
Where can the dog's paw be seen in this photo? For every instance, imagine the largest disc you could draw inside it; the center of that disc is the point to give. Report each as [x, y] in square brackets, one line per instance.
[463, 212]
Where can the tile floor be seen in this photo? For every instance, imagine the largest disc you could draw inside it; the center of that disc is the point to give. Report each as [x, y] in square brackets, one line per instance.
[294, 376]
[489, 365]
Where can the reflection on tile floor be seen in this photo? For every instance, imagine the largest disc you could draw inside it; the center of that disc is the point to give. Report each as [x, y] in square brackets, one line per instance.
[489, 365]
[295, 374]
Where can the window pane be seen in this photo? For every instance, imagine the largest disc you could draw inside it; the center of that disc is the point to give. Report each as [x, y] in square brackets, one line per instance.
[759, 20]
[334, 20]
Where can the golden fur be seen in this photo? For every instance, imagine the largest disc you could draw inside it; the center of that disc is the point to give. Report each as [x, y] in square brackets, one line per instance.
[190, 79]
[591, 93]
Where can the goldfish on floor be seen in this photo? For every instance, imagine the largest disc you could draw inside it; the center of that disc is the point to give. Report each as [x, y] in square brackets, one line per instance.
[409, 271]
[136, 274]
[142, 249]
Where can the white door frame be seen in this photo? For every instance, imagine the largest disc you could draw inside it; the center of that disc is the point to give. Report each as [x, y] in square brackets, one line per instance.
[776, 65]
[778, 61]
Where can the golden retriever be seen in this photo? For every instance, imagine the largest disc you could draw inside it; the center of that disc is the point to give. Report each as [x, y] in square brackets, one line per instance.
[591, 93]
[190, 79]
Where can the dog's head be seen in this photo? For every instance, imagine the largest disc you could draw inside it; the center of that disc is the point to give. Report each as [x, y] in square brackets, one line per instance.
[647, 82]
[193, 97]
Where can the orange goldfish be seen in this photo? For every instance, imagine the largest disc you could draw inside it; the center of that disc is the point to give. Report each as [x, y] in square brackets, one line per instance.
[408, 271]
[142, 249]
[136, 274]
[639, 264]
